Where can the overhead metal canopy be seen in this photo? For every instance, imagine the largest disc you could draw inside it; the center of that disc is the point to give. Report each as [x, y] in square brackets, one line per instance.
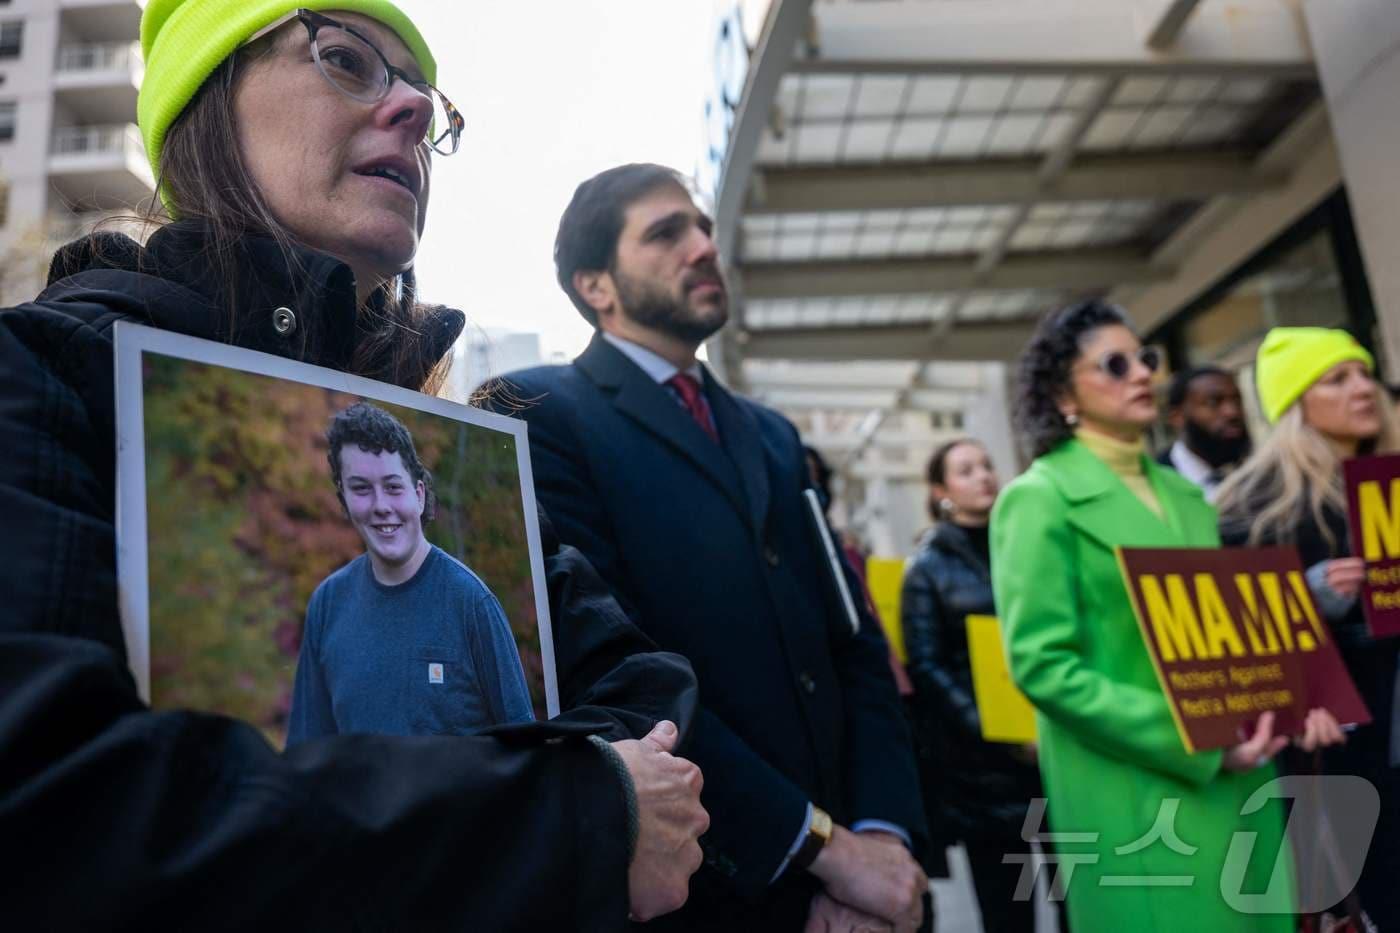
[917, 181]
[900, 186]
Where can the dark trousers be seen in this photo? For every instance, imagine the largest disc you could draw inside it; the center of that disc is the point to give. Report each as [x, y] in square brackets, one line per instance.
[996, 884]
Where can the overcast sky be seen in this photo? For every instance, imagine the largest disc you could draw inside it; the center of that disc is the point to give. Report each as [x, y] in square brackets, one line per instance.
[553, 91]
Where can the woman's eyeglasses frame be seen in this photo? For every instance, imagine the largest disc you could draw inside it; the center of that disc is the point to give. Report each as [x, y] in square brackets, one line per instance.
[314, 22]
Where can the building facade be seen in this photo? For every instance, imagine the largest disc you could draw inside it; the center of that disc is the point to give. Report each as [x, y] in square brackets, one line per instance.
[70, 152]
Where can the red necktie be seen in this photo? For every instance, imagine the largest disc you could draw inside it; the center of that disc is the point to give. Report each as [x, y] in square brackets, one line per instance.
[694, 401]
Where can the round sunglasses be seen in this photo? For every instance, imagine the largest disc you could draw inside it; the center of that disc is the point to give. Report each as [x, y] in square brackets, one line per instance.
[1118, 364]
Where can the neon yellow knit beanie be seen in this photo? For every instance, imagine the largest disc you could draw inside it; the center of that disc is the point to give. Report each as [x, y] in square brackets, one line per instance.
[183, 41]
[1291, 359]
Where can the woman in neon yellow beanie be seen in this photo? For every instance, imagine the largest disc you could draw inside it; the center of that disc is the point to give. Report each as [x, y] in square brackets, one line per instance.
[293, 151]
[1318, 388]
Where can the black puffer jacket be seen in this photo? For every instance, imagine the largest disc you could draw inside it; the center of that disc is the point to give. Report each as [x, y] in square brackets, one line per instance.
[973, 788]
[112, 816]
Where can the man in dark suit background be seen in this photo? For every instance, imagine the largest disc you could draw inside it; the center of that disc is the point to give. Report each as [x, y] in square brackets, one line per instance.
[688, 500]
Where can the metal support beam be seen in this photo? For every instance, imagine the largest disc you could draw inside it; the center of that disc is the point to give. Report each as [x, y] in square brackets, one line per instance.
[1077, 270]
[1052, 168]
[1167, 21]
[760, 385]
[886, 439]
[864, 436]
[1227, 232]
[890, 471]
[842, 399]
[786, 23]
[1242, 37]
[969, 341]
[1013, 181]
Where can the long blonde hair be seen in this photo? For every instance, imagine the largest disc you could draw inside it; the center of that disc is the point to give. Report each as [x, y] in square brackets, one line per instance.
[1295, 470]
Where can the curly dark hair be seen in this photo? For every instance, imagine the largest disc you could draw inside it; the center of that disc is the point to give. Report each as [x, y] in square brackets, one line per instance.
[1043, 371]
[375, 431]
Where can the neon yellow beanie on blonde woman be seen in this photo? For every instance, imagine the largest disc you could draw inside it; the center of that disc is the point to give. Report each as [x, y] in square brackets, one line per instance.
[1291, 359]
[183, 41]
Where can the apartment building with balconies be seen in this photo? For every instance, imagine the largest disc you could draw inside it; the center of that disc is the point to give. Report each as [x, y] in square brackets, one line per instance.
[70, 152]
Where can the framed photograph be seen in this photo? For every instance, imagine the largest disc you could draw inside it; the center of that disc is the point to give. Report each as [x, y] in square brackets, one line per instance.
[318, 553]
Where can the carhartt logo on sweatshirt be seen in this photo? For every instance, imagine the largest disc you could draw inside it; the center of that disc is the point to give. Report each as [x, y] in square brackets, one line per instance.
[435, 673]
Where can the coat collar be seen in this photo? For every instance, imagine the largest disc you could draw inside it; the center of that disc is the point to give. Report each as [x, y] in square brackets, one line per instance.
[178, 287]
[742, 475]
[952, 539]
[1102, 506]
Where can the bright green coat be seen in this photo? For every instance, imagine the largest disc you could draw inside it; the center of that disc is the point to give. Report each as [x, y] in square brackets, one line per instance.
[1110, 753]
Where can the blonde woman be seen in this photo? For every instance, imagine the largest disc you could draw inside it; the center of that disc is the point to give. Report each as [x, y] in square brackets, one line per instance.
[1318, 388]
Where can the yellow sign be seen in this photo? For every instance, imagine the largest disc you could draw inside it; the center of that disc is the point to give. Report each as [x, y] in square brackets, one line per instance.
[1006, 714]
[885, 578]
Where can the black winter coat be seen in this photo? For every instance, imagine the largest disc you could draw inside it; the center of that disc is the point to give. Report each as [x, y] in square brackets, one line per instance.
[1371, 661]
[113, 817]
[973, 789]
[1372, 665]
[710, 548]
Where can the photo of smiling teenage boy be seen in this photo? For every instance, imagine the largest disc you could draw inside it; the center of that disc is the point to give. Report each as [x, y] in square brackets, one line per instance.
[404, 639]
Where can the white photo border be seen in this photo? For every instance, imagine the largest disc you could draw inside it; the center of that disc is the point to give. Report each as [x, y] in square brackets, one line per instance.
[132, 341]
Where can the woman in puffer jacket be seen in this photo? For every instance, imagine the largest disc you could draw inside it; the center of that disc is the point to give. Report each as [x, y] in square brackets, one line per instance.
[975, 791]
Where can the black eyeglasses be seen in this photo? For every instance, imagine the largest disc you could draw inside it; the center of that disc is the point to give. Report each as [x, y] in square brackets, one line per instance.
[355, 67]
[1118, 364]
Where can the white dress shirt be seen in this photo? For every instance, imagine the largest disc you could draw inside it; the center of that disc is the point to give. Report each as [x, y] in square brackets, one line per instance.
[1192, 467]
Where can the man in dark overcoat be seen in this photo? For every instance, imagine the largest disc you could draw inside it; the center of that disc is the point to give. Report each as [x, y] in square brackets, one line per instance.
[688, 500]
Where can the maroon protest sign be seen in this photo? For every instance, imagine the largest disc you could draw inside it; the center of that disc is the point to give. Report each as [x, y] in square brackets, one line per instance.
[1373, 510]
[1235, 634]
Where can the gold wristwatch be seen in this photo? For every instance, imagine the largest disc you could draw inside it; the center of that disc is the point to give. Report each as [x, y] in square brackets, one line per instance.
[818, 835]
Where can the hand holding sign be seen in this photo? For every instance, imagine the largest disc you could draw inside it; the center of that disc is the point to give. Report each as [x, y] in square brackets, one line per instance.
[1238, 642]
[1258, 749]
[1320, 730]
[1345, 575]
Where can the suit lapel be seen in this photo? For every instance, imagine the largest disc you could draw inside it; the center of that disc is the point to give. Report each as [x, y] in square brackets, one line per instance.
[740, 435]
[635, 395]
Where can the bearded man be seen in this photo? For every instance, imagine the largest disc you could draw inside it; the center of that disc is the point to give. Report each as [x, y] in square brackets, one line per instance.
[1205, 408]
[689, 501]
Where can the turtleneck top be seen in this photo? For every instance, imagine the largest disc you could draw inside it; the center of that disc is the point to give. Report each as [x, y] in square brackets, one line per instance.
[1126, 460]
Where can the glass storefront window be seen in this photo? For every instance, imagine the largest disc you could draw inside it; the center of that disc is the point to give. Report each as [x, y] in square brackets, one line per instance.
[1311, 275]
[1302, 287]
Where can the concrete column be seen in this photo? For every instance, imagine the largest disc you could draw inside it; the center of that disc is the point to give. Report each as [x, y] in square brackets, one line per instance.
[988, 419]
[879, 534]
[1357, 47]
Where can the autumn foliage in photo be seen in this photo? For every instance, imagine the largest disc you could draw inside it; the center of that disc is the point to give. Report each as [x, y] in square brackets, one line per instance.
[243, 524]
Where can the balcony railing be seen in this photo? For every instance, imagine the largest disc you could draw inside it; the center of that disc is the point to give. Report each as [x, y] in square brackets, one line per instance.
[87, 57]
[109, 139]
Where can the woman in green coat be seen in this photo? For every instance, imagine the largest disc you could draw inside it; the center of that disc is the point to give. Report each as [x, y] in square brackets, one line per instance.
[1142, 827]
